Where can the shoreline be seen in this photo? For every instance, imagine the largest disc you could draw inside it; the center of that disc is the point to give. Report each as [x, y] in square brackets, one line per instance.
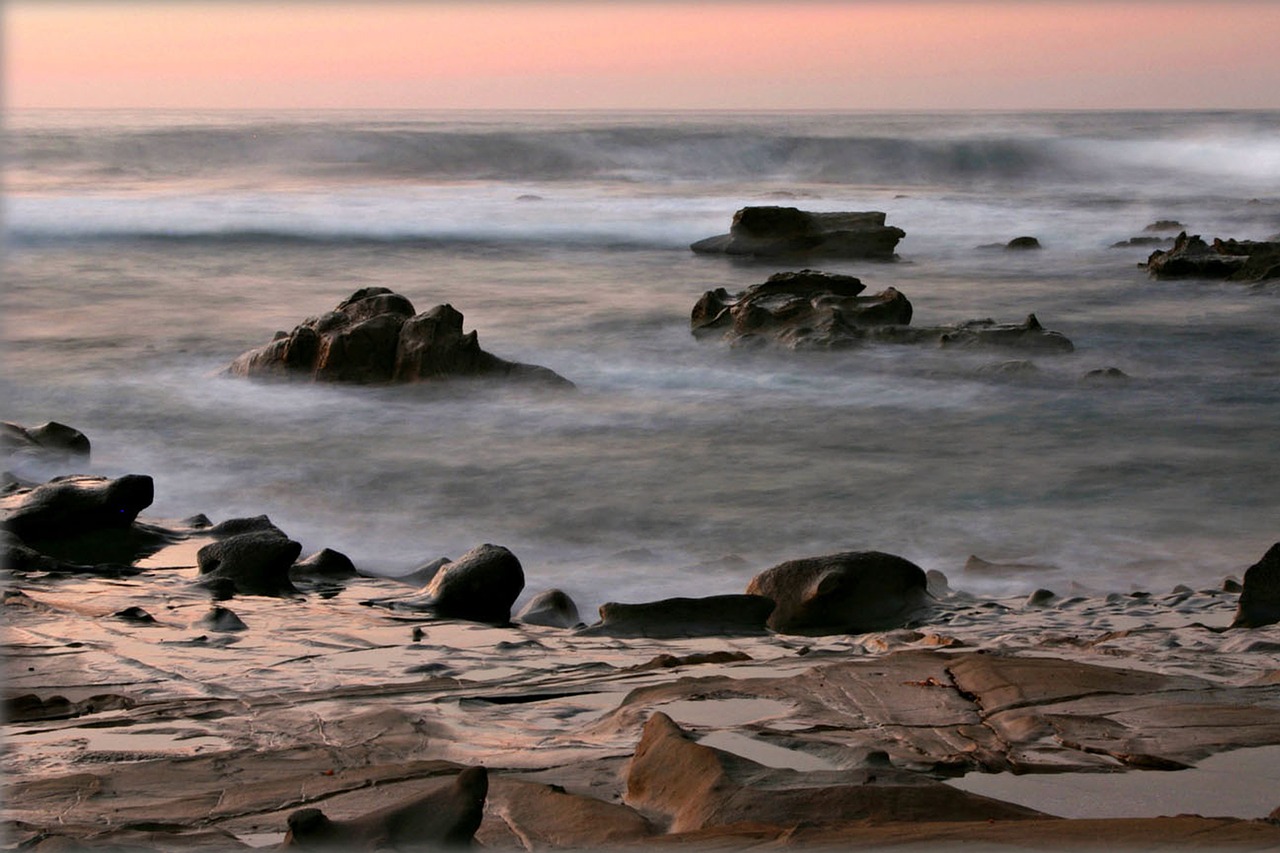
[215, 737]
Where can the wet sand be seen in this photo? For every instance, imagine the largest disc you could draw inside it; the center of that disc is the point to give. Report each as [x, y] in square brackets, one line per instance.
[1117, 712]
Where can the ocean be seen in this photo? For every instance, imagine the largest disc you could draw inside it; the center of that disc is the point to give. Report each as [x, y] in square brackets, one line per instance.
[145, 250]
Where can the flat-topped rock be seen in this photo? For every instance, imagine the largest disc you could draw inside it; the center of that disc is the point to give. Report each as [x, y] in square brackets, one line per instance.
[771, 231]
[375, 337]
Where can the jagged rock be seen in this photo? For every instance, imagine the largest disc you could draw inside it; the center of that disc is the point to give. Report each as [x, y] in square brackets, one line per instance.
[805, 309]
[1134, 242]
[552, 608]
[1165, 225]
[847, 593]
[531, 816]
[1233, 260]
[374, 336]
[50, 441]
[770, 231]
[447, 816]
[818, 310]
[1260, 595]
[716, 615]
[255, 563]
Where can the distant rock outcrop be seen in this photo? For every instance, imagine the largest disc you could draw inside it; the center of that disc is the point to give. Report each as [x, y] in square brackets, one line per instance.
[770, 231]
[1233, 260]
[50, 441]
[374, 336]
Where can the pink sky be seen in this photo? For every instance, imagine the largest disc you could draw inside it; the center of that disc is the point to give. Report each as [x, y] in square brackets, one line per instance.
[644, 55]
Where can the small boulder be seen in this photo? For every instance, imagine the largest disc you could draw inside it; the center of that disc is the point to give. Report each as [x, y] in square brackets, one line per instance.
[1233, 260]
[479, 586]
[1260, 596]
[1105, 376]
[846, 593]
[1022, 244]
[446, 816]
[220, 619]
[771, 231]
[552, 608]
[325, 564]
[713, 616]
[1165, 225]
[255, 563]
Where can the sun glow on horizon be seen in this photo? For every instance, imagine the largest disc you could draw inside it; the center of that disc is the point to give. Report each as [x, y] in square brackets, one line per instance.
[642, 55]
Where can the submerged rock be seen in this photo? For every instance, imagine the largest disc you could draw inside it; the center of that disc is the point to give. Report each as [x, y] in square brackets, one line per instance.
[713, 616]
[1233, 260]
[770, 231]
[374, 336]
[1260, 595]
[1015, 245]
[50, 441]
[447, 816]
[846, 593]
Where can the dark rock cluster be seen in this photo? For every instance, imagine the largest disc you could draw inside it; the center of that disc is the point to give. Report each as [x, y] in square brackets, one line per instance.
[1233, 260]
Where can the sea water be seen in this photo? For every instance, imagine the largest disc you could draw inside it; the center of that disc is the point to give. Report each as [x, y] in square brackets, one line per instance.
[145, 250]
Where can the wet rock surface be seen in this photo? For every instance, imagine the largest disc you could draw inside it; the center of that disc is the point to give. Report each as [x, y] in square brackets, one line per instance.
[1232, 260]
[376, 337]
[713, 616]
[1260, 595]
[770, 231]
[810, 309]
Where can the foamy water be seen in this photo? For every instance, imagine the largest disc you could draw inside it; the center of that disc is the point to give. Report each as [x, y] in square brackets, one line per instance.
[147, 251]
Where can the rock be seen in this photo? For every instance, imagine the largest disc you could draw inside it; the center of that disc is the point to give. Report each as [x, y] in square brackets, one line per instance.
[769, 231]
[445, 817]
[79, 504]
[374, 337]
[1040, 598]
[30, 707]
[713, 616]
[325, 564]
[695, 786]
[423, 575]
[1009, 369]
[1134, 242]
[222, 620]
[847, 593]
[236, 526]
[1260, 596]
[136, 615]
[552, 608]
[50, 441]
[16, 556]
[479, 586]
[1022, 244]
[255, 563]
[978, 565]
[818, 310]
[531, 816]
[1105, 375]
[1028, 335]
[805, 309]
[1233, 260]
[1165, 225]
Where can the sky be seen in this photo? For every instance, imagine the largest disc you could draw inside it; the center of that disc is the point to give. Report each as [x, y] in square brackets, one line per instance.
[642, 54]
